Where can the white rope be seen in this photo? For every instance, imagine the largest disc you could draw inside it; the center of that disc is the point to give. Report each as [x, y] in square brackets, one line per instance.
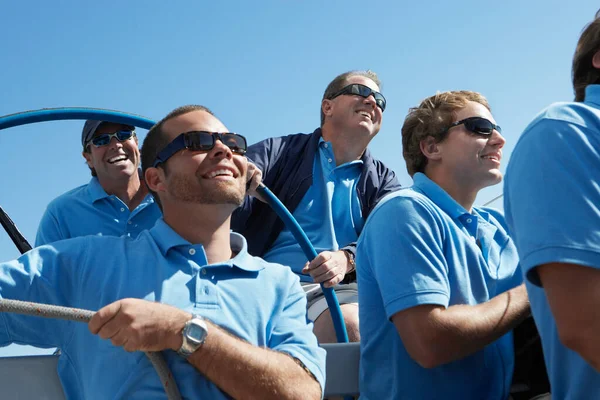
[76, 314]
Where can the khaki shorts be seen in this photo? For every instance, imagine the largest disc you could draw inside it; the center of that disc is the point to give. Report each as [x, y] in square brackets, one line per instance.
[315, 299]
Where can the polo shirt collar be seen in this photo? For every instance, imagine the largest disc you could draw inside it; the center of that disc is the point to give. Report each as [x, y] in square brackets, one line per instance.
[592, 95]
[166, 238]
[95, 190]
[438, 195]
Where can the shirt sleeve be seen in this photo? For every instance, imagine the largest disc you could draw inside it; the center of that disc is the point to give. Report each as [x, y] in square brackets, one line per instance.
[552, 196]
[292, 333]
[49, 230]
[402, 249]
[42, 275]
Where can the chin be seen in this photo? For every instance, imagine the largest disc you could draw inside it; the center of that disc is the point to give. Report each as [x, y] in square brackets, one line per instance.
[493, 179]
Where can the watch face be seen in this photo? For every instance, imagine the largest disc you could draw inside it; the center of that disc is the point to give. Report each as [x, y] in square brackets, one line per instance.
[196, 333]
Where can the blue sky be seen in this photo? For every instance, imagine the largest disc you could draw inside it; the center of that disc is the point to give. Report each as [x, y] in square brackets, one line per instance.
[262, 68]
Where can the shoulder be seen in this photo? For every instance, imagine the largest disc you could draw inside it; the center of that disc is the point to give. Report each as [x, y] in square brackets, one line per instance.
[562, 115]
[281, 140]
[69, 197]
[279, 277]
[376, 164]
[276, 145]
[406, 204]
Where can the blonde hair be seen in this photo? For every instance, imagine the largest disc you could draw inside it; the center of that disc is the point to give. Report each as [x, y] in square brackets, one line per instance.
[431, 118]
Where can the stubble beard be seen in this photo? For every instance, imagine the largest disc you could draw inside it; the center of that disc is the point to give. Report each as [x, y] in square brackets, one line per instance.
[189, 189]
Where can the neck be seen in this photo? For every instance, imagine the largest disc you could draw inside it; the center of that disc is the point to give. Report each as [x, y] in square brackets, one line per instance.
[346, 147]
[205, 224]
[131, 191]
[463, 195]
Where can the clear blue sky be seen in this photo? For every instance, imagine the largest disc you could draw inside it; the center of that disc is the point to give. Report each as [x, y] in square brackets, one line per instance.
[262, 68]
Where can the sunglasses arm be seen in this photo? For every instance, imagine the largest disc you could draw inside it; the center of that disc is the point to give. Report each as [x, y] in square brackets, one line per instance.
[177, 144]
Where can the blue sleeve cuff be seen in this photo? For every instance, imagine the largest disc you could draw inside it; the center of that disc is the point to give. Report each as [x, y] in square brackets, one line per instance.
[556, 254]
[416, 299]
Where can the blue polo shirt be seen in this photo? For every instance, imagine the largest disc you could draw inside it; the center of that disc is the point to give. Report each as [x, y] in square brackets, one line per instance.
[419, 246]
[89, 210]
[329, 213]
[259, 302]
[552, 200]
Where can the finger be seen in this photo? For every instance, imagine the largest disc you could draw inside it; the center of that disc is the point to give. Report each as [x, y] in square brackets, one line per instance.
[120, 338]
[109, 329]
[324, 274]
[125, 342]
[305, 269]
[320, 259]
[332, 282]
[255, 180]
[103, 316]
[329, 265]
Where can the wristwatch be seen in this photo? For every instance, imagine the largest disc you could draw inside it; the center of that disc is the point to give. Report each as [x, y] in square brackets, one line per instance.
[350, 257]
[194, 335]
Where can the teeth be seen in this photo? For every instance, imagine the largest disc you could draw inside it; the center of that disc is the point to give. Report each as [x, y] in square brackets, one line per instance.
[366, 114]
[117, 158]
[490, 157]
[220, 172]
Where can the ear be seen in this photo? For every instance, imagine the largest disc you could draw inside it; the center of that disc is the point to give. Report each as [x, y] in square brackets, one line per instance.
[327, 107]
[155, 179]
[431, 149]
[596, 60]
[88, 158]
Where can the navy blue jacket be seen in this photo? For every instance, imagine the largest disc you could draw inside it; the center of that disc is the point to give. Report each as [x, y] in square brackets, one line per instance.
[287, 166]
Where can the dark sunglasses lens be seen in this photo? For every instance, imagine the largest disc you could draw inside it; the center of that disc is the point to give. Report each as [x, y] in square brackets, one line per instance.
[124, 135]
[380, 100]
[200, 141]
[480, 125]
[101, 140]
[236, 143]
[366, 91]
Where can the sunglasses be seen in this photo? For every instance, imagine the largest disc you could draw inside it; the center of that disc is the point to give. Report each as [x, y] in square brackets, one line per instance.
[201, 141]
[477, 125]
[105, 138]
[363, 91]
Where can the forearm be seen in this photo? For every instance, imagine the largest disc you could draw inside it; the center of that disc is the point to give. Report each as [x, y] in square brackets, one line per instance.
[573, 297]
[466, 329]
[245, 371]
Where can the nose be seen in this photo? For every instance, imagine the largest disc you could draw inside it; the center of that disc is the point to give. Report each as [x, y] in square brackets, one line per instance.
[114, 142]
[497, 139]
[370, 99]
[220, 150]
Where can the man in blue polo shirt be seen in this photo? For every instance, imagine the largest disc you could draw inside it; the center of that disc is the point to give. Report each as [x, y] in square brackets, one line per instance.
[231, 325]
[440, 289]
[552, 200]
[330, 182]
[115, 202]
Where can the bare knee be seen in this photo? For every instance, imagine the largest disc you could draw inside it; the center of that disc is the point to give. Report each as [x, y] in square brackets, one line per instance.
[324, 330]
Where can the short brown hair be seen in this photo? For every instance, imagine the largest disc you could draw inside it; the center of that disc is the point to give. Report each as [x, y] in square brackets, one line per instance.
[339, 82]
[431, 118]
[156, 139]
[583, 72]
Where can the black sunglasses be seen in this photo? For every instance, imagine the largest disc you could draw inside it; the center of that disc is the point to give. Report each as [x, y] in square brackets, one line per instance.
[201, 141]
[477, 125]
[363, 91]
[105, 138]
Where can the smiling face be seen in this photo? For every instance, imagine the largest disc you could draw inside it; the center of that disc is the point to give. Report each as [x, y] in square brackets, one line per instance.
[473, 160]
[353, 113]
[117, 160]
[216, 176]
